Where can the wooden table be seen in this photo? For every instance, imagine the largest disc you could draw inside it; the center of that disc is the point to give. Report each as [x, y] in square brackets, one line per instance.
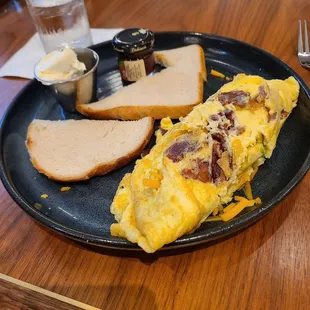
[263, 267]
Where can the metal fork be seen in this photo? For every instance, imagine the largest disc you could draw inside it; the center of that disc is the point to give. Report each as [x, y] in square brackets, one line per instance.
[303, 51]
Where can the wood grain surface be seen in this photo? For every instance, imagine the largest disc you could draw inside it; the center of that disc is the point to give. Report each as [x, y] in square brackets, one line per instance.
[16, 295]
[15, 298]
[266, 266]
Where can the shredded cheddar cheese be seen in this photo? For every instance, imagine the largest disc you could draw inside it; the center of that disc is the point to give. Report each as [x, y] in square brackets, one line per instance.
[147, 163]
[217, 74]
[253, 173]
[65, 188]
[234, 208]
[229, 207]
[244, 178]
[248, 190]
[250, 202]
[239, 198]
[215, 211]
[237, 147]
[234, 211]
[151, 183]
[258, 200]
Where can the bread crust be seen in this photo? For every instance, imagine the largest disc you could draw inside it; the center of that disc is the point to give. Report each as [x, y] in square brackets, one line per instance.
[203, 63]
[138, 112]
[99, 169]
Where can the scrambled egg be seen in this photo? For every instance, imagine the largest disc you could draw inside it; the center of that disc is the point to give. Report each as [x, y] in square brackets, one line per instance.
[198, 163]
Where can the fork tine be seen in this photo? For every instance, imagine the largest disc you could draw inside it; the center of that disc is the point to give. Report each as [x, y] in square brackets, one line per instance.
[300, 43]
[306, 38]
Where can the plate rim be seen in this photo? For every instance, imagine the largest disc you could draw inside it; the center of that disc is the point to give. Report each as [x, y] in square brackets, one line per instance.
[122, 244]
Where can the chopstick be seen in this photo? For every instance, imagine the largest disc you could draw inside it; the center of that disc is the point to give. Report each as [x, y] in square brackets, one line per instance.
[47, 293]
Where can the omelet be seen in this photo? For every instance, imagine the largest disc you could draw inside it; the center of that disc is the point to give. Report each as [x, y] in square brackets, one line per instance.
[198, 163]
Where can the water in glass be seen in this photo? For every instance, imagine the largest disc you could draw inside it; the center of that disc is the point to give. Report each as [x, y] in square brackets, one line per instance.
[61, 23]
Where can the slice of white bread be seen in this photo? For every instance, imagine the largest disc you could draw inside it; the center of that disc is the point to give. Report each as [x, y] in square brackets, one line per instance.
[75, 150]
[172, 92]
[189, 57]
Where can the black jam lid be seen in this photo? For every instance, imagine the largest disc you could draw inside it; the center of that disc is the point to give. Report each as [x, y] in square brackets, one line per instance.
[133, 40]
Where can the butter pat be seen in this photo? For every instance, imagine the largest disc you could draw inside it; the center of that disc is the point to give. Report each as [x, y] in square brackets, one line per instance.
[59, 66]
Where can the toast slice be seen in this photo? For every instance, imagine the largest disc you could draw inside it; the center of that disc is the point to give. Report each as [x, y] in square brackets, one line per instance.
[75, 150]
[189, 57]
[170, 92]
[173, 92]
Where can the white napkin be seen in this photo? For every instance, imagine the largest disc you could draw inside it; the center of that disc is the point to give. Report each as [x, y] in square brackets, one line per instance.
[22, 63]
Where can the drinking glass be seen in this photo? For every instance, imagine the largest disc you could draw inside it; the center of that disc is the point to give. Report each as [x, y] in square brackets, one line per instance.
[61, 23]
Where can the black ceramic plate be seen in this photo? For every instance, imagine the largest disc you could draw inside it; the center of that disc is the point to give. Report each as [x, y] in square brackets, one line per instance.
[83, 212]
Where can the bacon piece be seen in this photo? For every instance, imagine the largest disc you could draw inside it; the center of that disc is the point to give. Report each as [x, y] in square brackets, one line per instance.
[204, 172]
[284, 114]
[200, 171]
[254, 104]
[216, 171]
[238, 98]
[177, 151]
[221, 138]
[162, 130]
[189, 174]
[222, 118]
[240, 130]
[216, 150]
[272, 116]
[231, 164]
[145, 152]
[261, 94]
[230, 115]
[223, 126]
[214, 117]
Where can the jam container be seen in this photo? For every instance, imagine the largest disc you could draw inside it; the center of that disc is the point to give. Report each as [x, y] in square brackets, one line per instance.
[134, 48]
